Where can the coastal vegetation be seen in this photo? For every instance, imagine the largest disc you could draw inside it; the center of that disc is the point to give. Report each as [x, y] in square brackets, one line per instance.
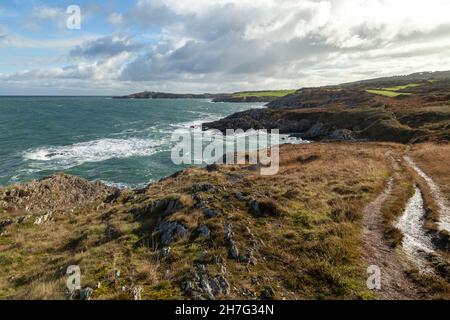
[226, 232]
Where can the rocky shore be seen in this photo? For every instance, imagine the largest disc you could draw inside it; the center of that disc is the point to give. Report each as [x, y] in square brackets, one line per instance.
[351, 114]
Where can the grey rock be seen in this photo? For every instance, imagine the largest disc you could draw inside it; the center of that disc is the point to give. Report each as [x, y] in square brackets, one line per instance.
[203, 231]
[6, 223]
[228, 232]
[202, 269]
[233, 251]
[86, 293]
[165, 207]
[188, 288]
[210, 213]
[240, 196]
[171, 231]
[214, 286]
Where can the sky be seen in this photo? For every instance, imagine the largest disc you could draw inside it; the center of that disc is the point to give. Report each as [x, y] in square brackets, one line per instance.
[214, 46]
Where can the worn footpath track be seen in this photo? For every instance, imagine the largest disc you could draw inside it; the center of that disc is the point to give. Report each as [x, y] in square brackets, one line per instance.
[395, 283]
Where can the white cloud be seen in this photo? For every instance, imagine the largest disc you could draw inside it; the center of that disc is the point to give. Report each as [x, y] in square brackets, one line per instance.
[45, 14]
[222, 45]
[116, 19]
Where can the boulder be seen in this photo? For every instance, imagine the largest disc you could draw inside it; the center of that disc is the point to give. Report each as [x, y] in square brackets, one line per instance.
[171, 231]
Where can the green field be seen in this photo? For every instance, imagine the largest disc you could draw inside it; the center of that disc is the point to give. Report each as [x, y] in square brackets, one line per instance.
[273, 93]
[386, 93]
[392, 92]
[397, 88]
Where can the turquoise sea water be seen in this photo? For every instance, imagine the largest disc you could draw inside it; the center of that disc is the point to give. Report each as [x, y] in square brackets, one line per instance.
[122, 142]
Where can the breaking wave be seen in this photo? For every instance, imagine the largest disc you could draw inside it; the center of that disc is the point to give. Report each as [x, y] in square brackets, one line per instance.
[63, 157]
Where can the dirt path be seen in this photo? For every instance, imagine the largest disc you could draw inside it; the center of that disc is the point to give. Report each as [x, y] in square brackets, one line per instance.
[417, 243]
[395, 285]
[444, 207]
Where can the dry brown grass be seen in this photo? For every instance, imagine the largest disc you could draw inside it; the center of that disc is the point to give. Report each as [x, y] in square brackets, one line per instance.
[308, 250]
[434, 159]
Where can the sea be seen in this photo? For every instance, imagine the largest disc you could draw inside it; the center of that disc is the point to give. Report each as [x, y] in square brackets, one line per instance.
[126, 143]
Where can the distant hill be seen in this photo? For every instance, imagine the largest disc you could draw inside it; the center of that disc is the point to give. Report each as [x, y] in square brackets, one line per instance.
[243, 96]
[418, 76]
[165, 95]
[405, 109]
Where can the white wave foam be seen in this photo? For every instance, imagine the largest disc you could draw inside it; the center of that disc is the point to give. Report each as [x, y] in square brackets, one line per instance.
[64, 157]
[196, 123]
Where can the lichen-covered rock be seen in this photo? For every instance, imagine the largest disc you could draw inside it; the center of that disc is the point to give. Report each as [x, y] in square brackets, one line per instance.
[214, 286]
[203, 284]
[171, 231]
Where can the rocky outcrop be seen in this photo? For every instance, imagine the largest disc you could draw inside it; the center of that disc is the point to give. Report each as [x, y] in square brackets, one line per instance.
[202, 283]
[171, 231]
[56, 193]
[327, 124]
[165, 95]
